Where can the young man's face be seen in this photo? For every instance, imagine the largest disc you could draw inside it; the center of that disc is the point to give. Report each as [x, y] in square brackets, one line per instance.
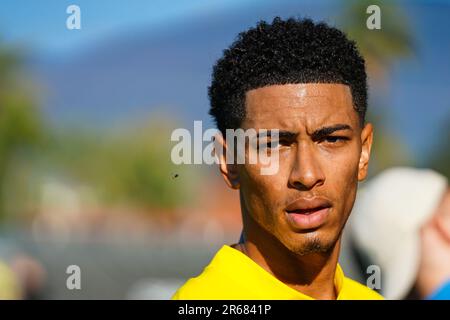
[323, 152]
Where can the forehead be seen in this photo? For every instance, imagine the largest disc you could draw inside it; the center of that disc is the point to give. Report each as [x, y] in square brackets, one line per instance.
[293, 105]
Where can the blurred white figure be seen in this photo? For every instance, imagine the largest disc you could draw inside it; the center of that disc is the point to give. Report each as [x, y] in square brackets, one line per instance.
[401, 222]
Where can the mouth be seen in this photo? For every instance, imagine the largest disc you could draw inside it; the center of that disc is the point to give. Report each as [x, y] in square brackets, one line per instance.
[306, 211]
[305, 214]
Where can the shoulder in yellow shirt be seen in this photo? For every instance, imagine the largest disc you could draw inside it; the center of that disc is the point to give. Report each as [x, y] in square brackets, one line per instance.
[231, 275]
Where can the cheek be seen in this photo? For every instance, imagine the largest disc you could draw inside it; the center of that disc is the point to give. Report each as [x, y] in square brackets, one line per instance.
[343, 162]
[342, 174]
[263, 194]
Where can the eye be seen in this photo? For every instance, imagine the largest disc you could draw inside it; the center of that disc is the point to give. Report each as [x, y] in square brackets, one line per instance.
[270, 144]
[335, 139]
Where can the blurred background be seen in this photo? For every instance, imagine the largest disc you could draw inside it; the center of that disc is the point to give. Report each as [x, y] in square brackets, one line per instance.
[86, 117]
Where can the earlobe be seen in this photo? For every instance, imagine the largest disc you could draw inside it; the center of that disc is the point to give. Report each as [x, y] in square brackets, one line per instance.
[366, 146]
[233, 177]
[229, 171]
[230, 175]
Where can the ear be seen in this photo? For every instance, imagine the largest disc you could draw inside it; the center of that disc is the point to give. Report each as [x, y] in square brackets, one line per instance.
[229, 171]
[366, 146]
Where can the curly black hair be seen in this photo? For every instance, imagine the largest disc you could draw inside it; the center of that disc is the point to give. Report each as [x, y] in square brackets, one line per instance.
[284, 52]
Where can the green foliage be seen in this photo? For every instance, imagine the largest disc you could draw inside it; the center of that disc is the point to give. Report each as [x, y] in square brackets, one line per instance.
[380, 47]
[440, 160]
[21, 127]
[127, 165]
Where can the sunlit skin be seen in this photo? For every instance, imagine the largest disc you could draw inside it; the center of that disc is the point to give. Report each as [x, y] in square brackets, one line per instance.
[323, 152]
[434, 267]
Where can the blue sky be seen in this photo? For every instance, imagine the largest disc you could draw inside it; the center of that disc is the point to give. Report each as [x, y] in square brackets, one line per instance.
[41, 24]
[419, 95]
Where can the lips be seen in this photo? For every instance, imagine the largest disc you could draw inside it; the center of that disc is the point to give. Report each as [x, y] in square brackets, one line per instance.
[308, 213]
[305, 205]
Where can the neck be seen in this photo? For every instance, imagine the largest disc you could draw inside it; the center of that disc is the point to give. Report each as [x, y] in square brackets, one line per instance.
[311, 274]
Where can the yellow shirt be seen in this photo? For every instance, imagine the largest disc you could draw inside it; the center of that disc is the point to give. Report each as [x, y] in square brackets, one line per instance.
[9, 284]
[231, 275]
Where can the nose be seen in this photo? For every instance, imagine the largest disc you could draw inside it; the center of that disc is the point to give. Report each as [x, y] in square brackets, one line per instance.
[306, 172]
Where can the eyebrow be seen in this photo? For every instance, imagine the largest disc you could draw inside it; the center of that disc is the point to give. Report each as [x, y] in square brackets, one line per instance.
[326, 131]
[281, 134]
[316, 135]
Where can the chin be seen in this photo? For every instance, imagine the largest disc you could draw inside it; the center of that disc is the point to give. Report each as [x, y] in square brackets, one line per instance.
[310, 243]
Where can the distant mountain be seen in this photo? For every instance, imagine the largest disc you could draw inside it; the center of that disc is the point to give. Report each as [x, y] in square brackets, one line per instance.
[137, 72]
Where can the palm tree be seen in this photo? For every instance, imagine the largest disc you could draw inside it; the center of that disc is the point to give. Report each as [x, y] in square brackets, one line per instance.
[380, 48]
[20, 124]
[440, 160]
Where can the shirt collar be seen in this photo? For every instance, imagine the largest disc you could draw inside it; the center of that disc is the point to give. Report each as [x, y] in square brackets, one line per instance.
[229, 259]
